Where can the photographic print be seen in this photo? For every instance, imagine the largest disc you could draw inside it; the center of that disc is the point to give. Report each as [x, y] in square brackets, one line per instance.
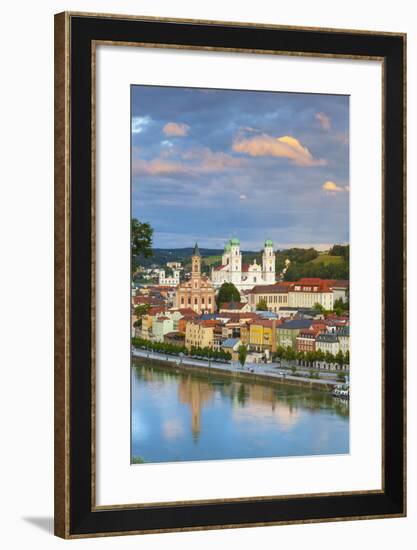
[239, 274]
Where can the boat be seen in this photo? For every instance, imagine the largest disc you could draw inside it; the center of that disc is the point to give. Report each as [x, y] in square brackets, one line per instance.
[342, 390]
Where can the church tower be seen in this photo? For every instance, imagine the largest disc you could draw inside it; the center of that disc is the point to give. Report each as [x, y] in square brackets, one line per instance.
[235, 262]
[268, 263]
[196, 263]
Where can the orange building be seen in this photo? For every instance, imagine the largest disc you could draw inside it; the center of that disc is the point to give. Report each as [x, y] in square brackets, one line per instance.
[197, 293]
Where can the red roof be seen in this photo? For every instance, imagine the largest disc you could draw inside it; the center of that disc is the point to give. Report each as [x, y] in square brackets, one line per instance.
[278, 288]
[267, 322]
[307, 331]
[187, 311]
[232, 305]
[155, 310]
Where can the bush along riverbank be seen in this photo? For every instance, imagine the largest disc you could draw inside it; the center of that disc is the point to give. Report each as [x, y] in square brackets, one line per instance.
[173, 349]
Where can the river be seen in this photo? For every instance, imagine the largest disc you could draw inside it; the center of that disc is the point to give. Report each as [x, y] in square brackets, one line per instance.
[181, 416]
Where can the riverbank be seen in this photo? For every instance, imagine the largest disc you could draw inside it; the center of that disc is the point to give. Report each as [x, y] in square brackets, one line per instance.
[229, 372]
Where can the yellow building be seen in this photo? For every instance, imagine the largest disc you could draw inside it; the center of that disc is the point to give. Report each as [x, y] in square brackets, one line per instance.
[199, 334]
[262, 335]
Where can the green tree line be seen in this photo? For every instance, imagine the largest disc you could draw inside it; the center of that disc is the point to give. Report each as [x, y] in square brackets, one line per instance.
[290, 355]
[175, 349]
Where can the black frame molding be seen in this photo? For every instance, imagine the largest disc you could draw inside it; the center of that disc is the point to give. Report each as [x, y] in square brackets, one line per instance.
[74, 252]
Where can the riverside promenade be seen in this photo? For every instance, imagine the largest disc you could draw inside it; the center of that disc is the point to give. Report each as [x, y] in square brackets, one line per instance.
[255, 372]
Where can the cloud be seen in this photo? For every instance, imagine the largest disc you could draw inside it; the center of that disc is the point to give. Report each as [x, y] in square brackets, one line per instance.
[205, 160]
[243, 197]
[332, 188]
[139, 123]
[342, 137]
[194, 162]
[176, 129]
[156, 167]
[284, 147]
[324, 121]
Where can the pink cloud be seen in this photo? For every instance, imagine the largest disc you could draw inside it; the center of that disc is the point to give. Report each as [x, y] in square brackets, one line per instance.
[193, 162]
[207, 160]
[156, 167]
[176, 129]
[284, 147]
[324, 121]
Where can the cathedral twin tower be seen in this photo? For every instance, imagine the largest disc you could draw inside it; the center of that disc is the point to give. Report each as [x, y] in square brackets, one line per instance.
[244, 276]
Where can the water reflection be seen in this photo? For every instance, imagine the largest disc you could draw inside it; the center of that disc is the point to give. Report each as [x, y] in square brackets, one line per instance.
[182, 416]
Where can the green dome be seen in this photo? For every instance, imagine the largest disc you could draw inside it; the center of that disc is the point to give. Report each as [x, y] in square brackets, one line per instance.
[268, 242]
[234, 242]
[227, 247]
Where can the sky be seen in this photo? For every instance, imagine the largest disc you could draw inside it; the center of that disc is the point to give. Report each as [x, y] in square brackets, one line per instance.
[209, 165]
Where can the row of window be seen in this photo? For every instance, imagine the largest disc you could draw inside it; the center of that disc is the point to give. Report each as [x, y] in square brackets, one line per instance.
[195, 300]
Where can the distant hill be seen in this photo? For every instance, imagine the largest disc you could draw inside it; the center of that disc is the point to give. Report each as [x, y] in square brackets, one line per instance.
[163, 255]
[305, 262]
[326, 259]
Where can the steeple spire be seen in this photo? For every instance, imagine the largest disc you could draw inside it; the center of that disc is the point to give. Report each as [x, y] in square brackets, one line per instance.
[196, 251]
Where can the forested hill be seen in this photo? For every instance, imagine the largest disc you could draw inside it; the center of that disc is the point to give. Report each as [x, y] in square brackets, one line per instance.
[305, 262]
[161, 256]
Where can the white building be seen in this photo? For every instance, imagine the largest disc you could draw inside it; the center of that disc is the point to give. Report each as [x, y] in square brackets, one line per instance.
[327, 342]
[169, 281]
[344, 339]
[244, 276]
[310, 291]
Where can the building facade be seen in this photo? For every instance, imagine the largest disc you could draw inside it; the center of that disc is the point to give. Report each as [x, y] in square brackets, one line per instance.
[344, 339]
[305, 341]
[198, 292]
[262, 336]
[244, 276]
[287, 332]
[327, 342]
[199, 334]
[310, 291]
[174, 280]
[275, 296]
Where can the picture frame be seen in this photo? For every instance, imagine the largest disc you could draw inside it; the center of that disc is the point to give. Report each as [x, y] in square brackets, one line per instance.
[76, 37]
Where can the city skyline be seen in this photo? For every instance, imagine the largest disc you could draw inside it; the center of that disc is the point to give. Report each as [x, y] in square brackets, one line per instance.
[208, 165]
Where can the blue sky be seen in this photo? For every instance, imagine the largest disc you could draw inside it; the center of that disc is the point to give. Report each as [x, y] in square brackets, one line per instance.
[208, 165]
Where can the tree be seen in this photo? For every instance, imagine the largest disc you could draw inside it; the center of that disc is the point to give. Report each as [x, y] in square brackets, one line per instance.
[242, 354]
[329, 357]
[142, 309]
[279, 354]
[262, 305]
[301, 356]
[227, 293]
[340, 304]
[141, 235]
[340, 358]
[290, 356]
[318, 307]
[319, 355]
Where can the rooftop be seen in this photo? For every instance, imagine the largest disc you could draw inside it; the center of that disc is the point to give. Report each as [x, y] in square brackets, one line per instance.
[196, 251]
[230, 342]
[278, 288]
[327, 337]
[232, 305]
[296, 324]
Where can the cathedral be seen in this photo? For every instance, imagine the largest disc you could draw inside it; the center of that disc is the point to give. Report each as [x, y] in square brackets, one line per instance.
[244, 276]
